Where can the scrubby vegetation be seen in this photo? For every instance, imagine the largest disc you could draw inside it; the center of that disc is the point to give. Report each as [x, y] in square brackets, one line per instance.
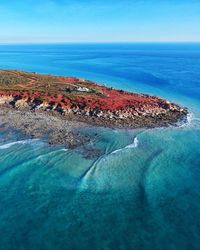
[8, 78]
[82, 97]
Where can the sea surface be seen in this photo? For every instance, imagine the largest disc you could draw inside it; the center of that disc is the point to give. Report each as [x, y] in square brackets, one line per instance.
[142, 189]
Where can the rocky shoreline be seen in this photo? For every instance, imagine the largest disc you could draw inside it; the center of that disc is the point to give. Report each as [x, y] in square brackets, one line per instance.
[62, 129]
[163, 113]
[48, 127]
[165, 119]
[56, 107]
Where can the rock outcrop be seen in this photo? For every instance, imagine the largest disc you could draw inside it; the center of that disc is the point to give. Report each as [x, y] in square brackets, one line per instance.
[99, 104]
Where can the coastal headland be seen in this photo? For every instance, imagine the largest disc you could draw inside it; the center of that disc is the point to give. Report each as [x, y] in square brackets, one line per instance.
[38, 104]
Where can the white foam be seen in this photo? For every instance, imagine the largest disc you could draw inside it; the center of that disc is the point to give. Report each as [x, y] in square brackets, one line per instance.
[191, 120]
[116, 131]
[64, 149]
[116, 151]
[8, 145]
[132, 145]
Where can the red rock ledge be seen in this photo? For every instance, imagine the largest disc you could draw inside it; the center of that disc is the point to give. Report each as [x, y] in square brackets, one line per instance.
[84, 100]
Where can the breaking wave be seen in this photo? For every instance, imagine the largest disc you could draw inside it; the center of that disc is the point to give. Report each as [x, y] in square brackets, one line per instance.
[8, 145]
[132, 145]
[191, 120]
[64, 149]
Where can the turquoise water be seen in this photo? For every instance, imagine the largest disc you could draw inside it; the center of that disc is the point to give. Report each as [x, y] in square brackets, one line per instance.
[143, 189]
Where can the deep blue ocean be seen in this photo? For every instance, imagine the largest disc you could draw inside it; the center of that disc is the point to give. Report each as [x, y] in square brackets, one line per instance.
[141, 192]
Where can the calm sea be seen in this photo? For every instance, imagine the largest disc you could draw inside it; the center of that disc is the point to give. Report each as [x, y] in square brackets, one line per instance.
[142, 192]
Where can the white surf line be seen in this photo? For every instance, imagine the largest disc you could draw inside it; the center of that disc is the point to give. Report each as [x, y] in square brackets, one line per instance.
[92, 168]
[190, 118]
[64, 149]
[135, 144]
[52, 152]
[8, 145]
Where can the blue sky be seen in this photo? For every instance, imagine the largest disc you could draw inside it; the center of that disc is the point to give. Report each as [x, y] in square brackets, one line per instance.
[34, 21]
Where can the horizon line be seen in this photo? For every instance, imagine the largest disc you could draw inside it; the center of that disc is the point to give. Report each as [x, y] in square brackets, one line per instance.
[100, 42]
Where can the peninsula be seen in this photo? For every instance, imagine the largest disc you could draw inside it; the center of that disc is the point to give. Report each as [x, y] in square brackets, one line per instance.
[70, 99]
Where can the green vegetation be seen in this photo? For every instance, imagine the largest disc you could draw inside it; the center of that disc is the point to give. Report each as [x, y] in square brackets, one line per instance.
[7, 78]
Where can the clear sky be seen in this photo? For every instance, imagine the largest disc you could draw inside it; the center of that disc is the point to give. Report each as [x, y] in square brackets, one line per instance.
[38, 21]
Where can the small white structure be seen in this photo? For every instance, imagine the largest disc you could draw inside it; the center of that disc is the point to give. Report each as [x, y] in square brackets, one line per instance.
[83, 89]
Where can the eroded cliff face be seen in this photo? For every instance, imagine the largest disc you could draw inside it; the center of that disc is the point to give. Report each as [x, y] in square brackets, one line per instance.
[158, 112]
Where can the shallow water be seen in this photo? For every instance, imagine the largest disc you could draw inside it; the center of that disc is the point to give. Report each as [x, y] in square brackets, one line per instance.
[141, 192]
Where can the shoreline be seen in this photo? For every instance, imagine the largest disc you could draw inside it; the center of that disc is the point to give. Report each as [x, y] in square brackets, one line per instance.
[38, 125]
[61, 130]
[55, 107]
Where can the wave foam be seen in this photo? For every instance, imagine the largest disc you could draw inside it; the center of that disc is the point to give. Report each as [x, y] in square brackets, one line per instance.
[132, 145]
[8, 145]
[64, 149]
[191, 120]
